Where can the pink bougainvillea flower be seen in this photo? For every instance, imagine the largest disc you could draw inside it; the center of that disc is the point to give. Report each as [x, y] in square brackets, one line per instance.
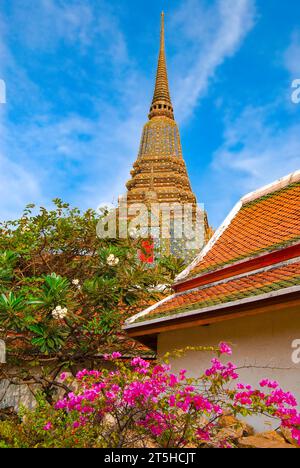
[173, 380]
[225, 349]
[48, 426]
[162, 403]
[116, 355]
[203, 435]
[139, 362]
[269, 383]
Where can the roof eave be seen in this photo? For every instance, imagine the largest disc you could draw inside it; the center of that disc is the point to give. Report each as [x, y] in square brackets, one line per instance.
[207, 315]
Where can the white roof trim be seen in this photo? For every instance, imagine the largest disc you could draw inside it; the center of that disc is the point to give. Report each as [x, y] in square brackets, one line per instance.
[210, 244]
[247, 300]
[273, 187]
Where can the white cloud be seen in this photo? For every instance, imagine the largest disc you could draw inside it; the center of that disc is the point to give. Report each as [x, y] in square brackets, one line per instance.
[82, 159]
[254, 153]
[78, 23]
[16, 182]
[209, 35]
[16, 186]
[87, 160]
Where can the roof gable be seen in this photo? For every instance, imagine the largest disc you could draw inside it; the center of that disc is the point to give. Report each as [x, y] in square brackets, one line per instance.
[263, 221]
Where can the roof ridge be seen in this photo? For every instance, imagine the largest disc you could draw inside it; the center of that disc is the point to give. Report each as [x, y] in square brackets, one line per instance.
[279, 184]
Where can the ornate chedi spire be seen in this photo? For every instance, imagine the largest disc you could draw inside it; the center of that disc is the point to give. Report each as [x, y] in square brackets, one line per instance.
[159, 174]
[161, 103]
[160, 168]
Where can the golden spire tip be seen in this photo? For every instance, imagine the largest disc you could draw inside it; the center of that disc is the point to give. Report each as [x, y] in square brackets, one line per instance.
[161, 103]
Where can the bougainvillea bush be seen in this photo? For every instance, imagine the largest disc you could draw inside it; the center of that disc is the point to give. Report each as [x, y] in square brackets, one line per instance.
[138, 405]
[64, 292]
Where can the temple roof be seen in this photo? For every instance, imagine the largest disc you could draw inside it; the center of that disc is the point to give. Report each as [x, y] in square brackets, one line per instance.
[252, 284]
[263, 221]
[253, 256]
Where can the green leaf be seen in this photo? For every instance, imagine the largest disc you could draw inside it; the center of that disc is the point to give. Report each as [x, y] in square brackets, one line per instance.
[37, 329]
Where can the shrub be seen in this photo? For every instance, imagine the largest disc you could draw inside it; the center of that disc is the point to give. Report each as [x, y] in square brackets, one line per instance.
[64, 293]
[138, 404]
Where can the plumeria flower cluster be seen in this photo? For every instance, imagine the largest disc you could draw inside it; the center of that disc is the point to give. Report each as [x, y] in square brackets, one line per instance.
[112, 260]
[171, 408]
[59, 313]
[76, 283]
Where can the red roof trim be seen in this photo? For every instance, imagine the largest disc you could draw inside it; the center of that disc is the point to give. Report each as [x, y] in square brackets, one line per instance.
[238, 268]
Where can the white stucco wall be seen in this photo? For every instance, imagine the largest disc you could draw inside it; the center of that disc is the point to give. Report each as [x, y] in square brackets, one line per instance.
[261, 341]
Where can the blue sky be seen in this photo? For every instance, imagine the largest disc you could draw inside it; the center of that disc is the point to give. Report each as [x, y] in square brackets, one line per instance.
[80, 76]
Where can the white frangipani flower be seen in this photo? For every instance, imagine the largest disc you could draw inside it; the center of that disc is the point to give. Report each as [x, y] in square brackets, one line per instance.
[133, 233]
[112, 260]
[60, 313]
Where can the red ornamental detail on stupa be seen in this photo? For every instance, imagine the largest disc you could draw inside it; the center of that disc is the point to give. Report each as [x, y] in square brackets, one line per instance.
[146, 255]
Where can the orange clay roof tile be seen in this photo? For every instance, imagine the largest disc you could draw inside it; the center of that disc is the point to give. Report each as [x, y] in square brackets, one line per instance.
[265, 224]
[232, 289]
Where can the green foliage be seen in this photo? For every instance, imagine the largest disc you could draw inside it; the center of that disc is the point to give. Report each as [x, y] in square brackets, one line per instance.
[7, 261]
[61, 300]
[172, 265]
[11, 308]
[47, 338]
[54, 291]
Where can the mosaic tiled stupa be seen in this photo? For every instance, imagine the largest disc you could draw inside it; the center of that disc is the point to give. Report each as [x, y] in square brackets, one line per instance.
[159, 174]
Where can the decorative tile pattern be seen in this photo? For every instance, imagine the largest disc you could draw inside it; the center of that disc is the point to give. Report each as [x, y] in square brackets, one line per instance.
[159, 174]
